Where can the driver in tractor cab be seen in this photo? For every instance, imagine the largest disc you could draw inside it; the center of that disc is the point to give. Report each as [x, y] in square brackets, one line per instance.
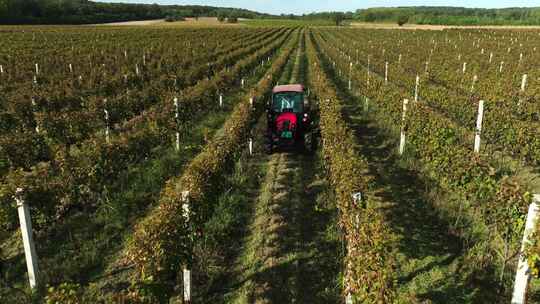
[289, 120]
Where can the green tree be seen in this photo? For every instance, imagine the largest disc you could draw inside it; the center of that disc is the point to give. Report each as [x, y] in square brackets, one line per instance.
[3, 8]
[402, 19]
[338, 18]
[221, 16]
[370, 17]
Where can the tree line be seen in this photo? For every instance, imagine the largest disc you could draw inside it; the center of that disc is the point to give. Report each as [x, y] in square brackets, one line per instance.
[84, 12]
[451, 15]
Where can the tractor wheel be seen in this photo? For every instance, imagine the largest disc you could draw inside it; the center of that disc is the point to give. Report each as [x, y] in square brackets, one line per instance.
[268, 146]
[310, 143]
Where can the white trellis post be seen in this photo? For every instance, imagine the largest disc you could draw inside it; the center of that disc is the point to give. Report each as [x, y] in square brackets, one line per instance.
[137, 69]
[366, 104]
[28, 240]
[368, 63]
[107, 128]
[522, 274]
[1, 69]
[386, 73]
[523, 82]
[144, 59]
[357, 199]
[348, 299]
[221, 100]
[71, 68]
[242, 82]
[177, 117]
[34, 110]
[251, 101]
[416, 88]
[403, 116]
[37, 69]
[186, 271]
[490, 57]
[501, 66]
[399, 59]
[479, 126]
[464, 67]
[475, 78]
[250, 145]
[350, 75]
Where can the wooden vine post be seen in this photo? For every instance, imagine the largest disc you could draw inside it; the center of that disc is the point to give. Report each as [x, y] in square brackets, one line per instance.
[366, 104]
[107, 127]
[186, 271]
[368, 63]
[357, 199]
[34, 110]
[478, 131]
[474, 80]
[523, 82]
[386, 73]
[177, 120]
[350, 75]
[402, 138]
[521, 282]
[416, 88]
[28, 240]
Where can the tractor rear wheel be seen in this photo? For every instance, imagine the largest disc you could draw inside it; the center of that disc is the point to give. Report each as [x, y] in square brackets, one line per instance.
[309, 143]
[268, 146]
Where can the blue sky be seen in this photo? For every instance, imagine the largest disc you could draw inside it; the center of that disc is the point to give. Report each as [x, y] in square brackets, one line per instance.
[307, 6]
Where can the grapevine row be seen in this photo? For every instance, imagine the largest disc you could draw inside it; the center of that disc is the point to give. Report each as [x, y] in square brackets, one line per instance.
[369, 276]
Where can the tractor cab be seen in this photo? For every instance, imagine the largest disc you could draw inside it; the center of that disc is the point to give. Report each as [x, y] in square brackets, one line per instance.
[289, 120]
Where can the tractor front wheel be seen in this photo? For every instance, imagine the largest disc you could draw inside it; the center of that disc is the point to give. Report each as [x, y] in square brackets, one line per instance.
[310, 143]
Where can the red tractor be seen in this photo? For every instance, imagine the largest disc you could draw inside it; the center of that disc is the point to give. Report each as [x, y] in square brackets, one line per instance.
[290, 121]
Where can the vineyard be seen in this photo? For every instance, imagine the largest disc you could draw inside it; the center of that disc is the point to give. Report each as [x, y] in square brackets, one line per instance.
[140, 154]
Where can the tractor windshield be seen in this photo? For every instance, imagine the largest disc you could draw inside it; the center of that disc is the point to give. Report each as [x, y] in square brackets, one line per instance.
[288, 102]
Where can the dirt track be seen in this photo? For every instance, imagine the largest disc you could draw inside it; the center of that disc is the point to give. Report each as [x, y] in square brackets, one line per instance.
[131, 23]
[202, 21]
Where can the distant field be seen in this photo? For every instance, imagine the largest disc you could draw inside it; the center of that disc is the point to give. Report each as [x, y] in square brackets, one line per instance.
[202, 21]
[286, 22]
[212, 21]
[132, 23]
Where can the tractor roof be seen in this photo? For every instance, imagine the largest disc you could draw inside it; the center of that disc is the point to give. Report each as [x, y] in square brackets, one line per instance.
[288, 88]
